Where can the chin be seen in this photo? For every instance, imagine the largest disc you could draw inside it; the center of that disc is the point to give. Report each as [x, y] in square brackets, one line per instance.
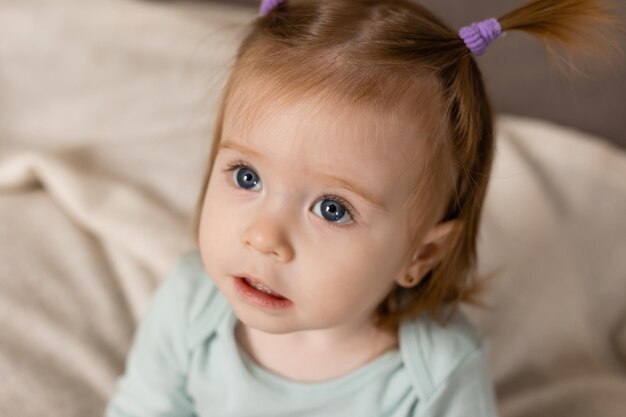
[267, 324]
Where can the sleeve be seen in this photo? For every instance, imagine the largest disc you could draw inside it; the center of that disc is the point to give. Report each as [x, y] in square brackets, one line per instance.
[467, 391]
[156, 368]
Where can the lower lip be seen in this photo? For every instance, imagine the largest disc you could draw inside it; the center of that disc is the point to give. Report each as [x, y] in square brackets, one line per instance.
[259, 298]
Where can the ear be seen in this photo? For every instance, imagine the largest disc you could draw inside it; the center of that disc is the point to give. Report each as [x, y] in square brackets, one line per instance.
[434, 247]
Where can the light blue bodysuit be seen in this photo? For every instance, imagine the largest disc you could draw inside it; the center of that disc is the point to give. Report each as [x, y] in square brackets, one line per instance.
[185, 361]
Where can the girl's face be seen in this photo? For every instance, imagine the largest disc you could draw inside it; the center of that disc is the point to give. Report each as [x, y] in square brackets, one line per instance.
[313, 205]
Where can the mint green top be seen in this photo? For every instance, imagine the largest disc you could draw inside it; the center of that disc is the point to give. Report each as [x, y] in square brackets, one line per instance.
[185, 361]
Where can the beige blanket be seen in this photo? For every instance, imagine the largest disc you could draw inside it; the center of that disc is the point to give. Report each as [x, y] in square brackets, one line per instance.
[106, 109]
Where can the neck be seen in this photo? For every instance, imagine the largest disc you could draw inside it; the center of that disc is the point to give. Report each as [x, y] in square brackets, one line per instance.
[312, 355]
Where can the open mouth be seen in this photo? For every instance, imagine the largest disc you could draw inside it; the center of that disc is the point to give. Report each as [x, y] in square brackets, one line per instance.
[259, 294]
[263, 288]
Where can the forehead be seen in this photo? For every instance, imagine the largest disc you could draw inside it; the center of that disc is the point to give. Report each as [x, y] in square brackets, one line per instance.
[327, 132]
[331, 124]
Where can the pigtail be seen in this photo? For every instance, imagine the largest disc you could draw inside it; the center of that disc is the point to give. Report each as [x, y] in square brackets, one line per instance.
[583, 27]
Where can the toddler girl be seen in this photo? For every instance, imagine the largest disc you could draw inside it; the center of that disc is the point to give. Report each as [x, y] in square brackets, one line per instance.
[337, 224]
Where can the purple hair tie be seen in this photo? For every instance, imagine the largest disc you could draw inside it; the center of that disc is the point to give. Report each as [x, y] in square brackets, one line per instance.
[269, 5]
[479, 35]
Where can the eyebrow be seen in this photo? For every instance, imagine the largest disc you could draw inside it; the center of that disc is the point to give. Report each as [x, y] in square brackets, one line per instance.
[328, 178]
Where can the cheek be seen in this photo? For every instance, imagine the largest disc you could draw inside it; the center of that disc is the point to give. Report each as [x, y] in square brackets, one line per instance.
[377, 250]
[355, 266]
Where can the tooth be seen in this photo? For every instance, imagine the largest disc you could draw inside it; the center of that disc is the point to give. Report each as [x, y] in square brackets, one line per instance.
[261, 287]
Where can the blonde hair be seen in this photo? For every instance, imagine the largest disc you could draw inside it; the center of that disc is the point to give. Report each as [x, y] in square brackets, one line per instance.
[371, 52]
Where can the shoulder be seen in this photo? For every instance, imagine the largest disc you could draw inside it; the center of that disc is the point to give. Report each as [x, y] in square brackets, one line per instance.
[435, 353]
[185, 308]
[189, 286]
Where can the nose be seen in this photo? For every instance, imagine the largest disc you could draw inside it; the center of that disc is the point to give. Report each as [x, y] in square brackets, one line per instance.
[266, 236]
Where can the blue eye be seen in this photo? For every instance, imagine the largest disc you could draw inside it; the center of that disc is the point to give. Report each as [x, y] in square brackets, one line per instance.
[332, 209]
[245, 177]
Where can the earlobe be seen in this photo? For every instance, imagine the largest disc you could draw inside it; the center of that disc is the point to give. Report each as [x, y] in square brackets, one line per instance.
[408, 281]
[434, 247]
